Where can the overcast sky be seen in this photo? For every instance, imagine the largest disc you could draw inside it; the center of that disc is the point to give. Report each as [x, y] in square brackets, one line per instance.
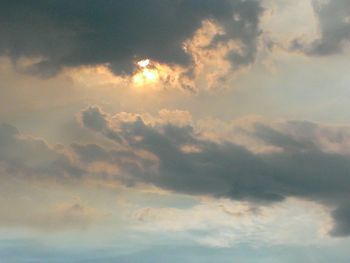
[148, 131]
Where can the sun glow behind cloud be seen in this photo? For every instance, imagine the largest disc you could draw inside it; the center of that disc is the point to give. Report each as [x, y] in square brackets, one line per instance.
[147, 73]
[144, 63]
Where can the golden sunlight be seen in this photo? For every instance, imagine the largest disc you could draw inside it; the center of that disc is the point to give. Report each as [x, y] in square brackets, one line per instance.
[147, 74]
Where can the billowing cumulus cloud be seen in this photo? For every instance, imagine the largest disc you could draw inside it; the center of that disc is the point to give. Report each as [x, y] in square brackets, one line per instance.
[185, 162]
[334, 27]
[57, 34]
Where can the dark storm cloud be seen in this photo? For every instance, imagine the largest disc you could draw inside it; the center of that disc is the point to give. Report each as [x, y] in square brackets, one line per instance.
[89, 32]
[301, 169]
[334, 23]
[29, 156]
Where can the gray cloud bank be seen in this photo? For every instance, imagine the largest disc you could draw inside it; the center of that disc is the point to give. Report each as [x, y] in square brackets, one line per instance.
[310, 161]
[67, 33]
[301, 168]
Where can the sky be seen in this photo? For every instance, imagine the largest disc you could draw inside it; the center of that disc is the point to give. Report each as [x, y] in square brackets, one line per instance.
[150, 131]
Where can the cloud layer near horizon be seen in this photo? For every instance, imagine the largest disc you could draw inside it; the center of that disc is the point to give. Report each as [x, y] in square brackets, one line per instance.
[303, 160]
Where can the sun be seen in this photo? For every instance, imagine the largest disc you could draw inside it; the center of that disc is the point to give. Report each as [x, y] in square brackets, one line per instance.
[143, 63]
[146, 74]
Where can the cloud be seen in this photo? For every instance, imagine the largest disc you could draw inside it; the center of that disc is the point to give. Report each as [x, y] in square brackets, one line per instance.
[94, 119]
[24, 155]
[302, 168]
[342, 218]
[116, 33]
[334, 23]
[308, 161]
